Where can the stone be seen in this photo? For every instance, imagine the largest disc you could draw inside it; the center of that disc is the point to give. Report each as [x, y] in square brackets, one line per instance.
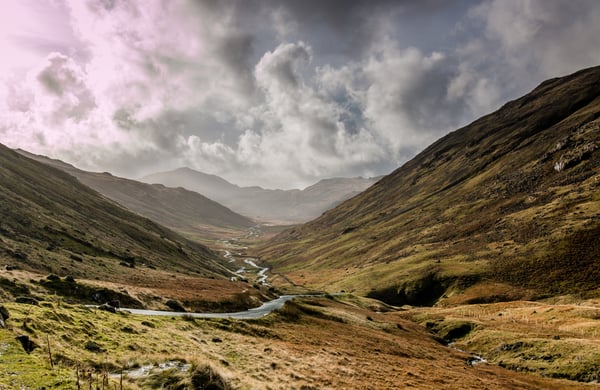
[4, 314]
[107, 307]
[27, 343]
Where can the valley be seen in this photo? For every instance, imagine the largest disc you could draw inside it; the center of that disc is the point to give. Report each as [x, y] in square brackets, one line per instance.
[189, 213]
[273, 206]
[474, 265]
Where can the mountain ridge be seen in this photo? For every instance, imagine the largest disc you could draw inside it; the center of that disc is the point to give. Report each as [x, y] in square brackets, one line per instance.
[50, 222]
[269, 205]
[185, 211]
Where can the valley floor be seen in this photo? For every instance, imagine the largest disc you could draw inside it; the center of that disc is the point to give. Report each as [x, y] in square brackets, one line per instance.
[332, 342]
[341, 342]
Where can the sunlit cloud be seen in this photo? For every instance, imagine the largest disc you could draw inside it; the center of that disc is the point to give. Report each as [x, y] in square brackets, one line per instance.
[278, 94]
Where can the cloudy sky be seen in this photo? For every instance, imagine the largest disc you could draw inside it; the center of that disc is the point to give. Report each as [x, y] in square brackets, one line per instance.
[272, 93]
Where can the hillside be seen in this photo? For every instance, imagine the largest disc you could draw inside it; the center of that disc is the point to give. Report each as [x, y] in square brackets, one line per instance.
[51, 223]
[184, 211]
[290, 349]
[280, 206]
[507, 207]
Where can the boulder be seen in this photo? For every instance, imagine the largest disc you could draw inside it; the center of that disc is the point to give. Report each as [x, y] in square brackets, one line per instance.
[107, 307]
[4, 314]
[27, 343]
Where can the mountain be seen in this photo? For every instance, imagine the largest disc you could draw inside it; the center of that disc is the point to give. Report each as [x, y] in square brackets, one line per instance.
[507, 207]
[283, 206]
[184, 211]
[50, 222]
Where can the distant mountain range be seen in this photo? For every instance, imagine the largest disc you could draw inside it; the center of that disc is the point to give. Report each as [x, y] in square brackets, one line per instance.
[52, 223]
[182, 210]
[505, 208]
[280, 206]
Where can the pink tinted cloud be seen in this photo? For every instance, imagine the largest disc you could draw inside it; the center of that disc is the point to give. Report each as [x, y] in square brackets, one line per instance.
[243, 90]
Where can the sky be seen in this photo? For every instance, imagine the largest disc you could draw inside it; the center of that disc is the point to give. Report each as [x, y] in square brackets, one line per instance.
[279, 94]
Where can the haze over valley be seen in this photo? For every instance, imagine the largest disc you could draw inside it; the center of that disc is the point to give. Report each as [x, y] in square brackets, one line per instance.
[278, 206]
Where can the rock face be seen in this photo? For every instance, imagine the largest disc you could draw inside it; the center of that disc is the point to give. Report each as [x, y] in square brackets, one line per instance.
[175, 306]
[577, 146]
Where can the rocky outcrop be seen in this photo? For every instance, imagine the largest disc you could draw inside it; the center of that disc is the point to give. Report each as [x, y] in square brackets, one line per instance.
[175, 306]
[577, 146]
[4, 315]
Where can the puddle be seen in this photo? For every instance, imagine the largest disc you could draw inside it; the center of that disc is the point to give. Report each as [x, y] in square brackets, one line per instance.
[145, 370]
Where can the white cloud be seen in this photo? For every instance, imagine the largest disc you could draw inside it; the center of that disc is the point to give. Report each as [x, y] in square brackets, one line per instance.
[523, 43]
[274, 94]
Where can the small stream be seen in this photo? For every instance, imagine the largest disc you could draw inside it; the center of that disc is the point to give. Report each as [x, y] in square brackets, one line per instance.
[230, 256]
[474, 360]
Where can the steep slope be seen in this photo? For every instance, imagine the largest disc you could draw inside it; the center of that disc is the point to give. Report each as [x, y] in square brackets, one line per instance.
[182, 210]
[50, 222]
[506, 207]
[283, 206]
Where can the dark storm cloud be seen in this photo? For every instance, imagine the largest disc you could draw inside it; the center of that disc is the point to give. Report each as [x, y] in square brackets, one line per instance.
[280, 93]
[237, 51]
[425, 101]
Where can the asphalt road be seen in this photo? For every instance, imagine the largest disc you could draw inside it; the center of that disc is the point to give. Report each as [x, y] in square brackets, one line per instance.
[257, 312]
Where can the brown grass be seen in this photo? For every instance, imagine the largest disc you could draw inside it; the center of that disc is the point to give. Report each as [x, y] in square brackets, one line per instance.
[314, 343]
[554, 338]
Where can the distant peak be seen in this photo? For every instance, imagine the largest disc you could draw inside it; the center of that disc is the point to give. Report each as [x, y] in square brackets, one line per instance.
[187, 169]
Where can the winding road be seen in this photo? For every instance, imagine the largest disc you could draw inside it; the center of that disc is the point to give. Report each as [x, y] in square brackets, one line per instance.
[257, 312]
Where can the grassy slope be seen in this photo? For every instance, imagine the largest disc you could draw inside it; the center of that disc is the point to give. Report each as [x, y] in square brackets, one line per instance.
[318, 343]
[481, 206]
[186, 212]
[553, 339]
[49, 222]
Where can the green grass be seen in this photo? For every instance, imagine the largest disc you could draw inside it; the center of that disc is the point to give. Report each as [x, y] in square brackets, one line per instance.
[92, 341]
[556, 341]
